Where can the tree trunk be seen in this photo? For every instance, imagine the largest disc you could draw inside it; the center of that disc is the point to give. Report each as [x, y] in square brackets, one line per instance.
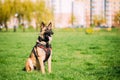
[14, 28]
[6, 27]
[23, 25]
[0, 27]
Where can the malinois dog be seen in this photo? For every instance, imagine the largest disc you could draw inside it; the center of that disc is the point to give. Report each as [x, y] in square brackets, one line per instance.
[42, 51]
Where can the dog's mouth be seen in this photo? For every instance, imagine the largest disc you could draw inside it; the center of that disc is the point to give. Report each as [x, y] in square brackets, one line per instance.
[50, 39]
[47, 36]
[48, 33]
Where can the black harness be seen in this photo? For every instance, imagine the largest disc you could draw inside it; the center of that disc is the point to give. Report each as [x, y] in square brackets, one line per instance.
[47, 48]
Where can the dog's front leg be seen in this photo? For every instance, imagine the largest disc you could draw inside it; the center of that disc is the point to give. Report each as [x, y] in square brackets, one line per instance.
[42, 66]
[49, 64]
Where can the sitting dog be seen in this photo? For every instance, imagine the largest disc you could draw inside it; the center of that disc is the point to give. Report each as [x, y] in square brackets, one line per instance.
[42, 50]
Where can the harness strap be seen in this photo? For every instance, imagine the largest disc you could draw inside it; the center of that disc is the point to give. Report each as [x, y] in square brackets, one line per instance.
[35, 54]
[47, 51]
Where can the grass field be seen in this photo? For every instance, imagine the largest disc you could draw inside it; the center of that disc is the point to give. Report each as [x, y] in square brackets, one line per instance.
[76, 55]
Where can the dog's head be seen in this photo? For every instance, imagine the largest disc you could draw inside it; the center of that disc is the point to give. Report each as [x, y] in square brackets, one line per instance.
[46, 32]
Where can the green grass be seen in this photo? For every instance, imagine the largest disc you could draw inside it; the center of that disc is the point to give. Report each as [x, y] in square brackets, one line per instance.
[76, 55]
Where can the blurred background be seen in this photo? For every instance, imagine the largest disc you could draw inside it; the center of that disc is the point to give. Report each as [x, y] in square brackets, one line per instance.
[86, 43]
[62, 13]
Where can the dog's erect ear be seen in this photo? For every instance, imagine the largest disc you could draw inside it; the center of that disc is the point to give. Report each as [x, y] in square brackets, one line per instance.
[50, 25]
[42, 25]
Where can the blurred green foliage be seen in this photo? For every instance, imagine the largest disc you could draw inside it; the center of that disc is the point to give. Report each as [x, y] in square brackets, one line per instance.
[25, 10]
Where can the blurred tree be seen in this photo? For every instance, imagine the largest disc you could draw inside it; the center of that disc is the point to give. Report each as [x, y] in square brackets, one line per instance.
[1, 12]
[72, 20]
[41, 13]
[24, 10]
[98, 20]
[5, 12]
[117, 18]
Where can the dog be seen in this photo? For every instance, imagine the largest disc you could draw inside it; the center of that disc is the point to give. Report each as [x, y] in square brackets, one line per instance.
[42, 51]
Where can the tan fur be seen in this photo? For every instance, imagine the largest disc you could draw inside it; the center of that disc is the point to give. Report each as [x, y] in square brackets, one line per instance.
[32, 62]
